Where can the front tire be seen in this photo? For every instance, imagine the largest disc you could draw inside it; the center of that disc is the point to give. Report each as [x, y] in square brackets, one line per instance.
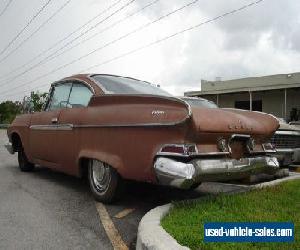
[24, 164]
[103, 180]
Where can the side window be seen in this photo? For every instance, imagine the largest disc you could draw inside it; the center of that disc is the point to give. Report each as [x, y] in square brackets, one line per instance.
[80, 95]
[60, 96]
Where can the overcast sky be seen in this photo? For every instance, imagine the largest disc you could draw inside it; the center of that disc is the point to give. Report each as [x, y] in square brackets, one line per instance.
[260, 40]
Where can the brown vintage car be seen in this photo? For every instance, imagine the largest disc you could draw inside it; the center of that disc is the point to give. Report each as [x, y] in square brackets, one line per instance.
[113, 128]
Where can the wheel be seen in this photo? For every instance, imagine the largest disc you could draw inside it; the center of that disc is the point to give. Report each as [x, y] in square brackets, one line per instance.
[24, 164]
[104, 181]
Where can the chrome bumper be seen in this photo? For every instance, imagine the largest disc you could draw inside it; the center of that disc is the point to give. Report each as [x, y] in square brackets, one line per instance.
[9, 148]
[183, 175]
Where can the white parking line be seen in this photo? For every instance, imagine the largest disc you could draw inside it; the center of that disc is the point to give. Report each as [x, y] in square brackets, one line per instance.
[110, 229]
[124, 213]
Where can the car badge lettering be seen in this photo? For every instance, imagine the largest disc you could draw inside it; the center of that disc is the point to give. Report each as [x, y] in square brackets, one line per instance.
[158, 112]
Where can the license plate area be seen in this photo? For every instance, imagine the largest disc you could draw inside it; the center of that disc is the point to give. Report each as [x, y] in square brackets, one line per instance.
[238, 146]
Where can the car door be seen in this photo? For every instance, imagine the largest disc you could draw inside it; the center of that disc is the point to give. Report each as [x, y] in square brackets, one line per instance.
[68, 140]
[44, 125]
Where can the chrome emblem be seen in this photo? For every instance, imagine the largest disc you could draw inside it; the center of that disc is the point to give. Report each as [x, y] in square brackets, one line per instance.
[158, 112]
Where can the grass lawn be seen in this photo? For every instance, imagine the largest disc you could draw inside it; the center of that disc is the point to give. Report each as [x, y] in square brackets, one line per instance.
[280, 203]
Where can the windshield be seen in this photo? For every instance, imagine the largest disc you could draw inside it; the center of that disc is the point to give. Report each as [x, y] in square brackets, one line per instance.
[125, 85]
[200, 102]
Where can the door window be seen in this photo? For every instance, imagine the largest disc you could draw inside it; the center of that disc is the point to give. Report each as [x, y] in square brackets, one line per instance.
[59, 96]
[80, 95]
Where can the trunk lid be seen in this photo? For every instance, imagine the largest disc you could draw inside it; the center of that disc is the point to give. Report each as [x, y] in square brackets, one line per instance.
[233, 121]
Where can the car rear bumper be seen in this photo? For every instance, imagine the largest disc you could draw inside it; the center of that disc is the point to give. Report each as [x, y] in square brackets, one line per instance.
[183, 175]
[9, 148]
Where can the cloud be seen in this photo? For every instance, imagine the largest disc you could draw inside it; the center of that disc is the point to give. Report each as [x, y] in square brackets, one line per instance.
[263, 39]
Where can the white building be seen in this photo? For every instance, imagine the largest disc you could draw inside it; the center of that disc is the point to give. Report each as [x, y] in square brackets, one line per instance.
[275, 94]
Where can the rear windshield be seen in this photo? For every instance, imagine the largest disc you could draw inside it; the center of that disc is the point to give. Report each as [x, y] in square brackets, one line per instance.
[200, 103]
[124, 85]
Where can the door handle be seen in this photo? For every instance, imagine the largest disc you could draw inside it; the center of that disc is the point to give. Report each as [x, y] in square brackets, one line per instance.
[54, 120]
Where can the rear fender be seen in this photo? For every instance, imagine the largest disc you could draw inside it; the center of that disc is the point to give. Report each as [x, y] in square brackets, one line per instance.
[113, 160]
[137, 110]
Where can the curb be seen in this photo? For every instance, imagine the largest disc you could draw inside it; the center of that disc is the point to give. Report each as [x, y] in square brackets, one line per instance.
[151, 235]
[292, 176]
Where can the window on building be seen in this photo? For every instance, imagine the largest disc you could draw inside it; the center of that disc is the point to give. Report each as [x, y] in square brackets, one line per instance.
[256, 105]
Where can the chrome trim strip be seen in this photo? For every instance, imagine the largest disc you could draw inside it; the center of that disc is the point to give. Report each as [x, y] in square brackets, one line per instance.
[129, 125]
[287, 132]
[212, 153]
[244, 136]
[72, 126]
[284, 150]
[193, 155]
[65, 80]
[56, 127]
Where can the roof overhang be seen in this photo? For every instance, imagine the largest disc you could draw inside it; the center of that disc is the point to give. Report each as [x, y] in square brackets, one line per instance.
[243, 89]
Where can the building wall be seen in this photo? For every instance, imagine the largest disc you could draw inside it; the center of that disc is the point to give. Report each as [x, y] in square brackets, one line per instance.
[272, 100]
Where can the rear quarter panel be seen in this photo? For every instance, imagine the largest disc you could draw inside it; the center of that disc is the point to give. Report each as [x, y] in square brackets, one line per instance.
[124, 132]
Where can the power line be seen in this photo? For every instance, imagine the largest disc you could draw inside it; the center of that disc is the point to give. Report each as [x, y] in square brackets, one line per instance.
[25, 27]
[171, 36]
[152, 43]
[5, 7]
[70, 42]
[65, 38]
[124, 36]
[103, 30]
[37, 30]
[55, 55]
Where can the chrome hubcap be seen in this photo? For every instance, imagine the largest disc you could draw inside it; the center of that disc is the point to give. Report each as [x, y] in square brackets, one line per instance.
[100, 175]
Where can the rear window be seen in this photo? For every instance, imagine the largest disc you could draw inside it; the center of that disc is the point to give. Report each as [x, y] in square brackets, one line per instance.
[200, 103]
[125, 85]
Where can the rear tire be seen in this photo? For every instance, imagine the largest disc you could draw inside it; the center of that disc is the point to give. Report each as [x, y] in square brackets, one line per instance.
[24, 164]
[104, 181]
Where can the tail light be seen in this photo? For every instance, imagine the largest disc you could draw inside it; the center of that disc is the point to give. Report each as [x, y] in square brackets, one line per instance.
[179, 149]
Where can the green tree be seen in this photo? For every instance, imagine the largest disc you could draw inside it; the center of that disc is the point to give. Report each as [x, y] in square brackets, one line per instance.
[38, 100]
[9, 110]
